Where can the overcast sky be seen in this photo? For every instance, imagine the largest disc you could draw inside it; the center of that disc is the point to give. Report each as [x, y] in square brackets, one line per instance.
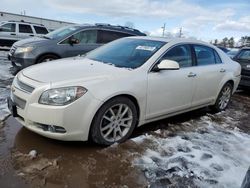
[202, 19]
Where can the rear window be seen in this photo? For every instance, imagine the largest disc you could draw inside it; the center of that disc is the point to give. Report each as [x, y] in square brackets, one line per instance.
[204, 55]
[40, 30]
[108, 36]
[23, 28]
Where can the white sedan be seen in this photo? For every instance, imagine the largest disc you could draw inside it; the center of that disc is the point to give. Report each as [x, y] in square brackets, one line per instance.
[107, 93]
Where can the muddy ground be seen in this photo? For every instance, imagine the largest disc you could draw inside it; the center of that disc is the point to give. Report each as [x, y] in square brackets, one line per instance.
[196, 149]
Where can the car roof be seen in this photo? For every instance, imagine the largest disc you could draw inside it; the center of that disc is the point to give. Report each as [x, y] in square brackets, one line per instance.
[245, 48]
[117, 28]
[24, 22]
[174, 40]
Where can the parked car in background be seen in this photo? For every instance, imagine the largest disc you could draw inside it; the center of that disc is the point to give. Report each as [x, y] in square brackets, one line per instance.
[232, 53]
[243, 57]
[223, 49]
[12, 31]
[66, 42]
[122, 85]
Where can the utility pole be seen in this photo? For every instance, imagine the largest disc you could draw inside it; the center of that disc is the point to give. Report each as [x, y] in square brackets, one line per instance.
[180, 35]
[163, 29]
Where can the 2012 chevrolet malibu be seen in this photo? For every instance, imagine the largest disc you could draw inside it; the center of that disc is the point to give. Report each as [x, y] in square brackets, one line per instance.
[110, 91]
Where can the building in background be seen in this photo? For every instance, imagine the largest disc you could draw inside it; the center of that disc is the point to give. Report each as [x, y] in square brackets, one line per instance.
[48, 23]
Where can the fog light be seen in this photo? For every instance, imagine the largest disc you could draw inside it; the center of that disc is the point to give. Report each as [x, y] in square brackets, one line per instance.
[51, 128]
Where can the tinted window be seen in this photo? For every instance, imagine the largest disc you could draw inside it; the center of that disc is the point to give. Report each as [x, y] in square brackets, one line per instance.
[126, 52]
[181, 54]
[244, 55]
[108, 36]
[204, 55]
[62, 32]
[217, 58]
[25, 28]
[40, 30]
[9, 27]
[84, 37]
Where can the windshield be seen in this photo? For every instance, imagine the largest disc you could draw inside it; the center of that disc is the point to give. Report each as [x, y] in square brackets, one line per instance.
[126, 52]
[62, 32]
[232, 52]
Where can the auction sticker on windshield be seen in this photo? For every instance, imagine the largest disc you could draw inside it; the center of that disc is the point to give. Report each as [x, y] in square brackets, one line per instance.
[148, 48]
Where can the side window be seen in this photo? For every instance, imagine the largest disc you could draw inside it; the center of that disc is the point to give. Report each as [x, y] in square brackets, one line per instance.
[84, 37]
[108, 36]
[9, 27]
[23, 28]
[217, 58]
[204, 55]
[244, 55]
[181, 54]
[40, 30]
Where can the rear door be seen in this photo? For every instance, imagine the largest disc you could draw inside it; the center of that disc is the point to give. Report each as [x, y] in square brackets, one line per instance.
[8, 34]
[209, 72]
[25, 31]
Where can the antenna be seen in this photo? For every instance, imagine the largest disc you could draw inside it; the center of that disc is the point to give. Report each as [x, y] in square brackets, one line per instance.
[180, 35]
[163, 29]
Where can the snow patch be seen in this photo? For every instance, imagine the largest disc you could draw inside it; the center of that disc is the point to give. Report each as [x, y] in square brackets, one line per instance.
[211, 156]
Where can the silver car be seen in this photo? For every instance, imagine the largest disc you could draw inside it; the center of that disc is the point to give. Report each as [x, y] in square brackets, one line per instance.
[12, 31]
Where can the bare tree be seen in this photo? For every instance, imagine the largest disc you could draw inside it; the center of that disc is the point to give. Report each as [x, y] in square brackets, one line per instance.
[129, 24]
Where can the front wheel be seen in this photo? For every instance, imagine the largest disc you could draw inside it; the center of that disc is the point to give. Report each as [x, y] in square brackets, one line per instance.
[114, 121]
[46, 58]
[223, 98]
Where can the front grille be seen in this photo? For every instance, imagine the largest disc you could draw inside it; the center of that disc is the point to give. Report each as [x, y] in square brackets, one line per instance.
[24, 87]
[245, 72]
[19, 102]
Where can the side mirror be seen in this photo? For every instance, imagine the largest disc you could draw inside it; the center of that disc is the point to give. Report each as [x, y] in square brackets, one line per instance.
[73, 41]
[167, 65]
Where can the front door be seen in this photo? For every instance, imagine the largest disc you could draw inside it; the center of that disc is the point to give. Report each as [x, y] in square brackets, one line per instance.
[170, 91]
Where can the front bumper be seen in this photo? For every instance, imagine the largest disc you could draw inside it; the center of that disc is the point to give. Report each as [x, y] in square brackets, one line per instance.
[21, 61]
[245, 81]
[74, 118]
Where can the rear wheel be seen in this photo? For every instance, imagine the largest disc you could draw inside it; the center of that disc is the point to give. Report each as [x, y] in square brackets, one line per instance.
[114, 121]
[223, 98]
[46, 58]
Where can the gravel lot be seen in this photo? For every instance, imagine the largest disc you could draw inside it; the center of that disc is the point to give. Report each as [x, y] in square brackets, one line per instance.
[196, 149]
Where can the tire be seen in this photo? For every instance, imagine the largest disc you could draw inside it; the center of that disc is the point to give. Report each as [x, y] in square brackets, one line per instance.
[110, 126]
[223, 98]
[46, 58]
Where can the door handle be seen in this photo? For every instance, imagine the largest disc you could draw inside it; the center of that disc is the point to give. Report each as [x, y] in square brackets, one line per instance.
[32, 35]
[191, 74]
[223, 70]
[12, 34]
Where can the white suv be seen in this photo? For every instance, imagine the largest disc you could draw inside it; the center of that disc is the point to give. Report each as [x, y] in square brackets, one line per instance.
[12, 31]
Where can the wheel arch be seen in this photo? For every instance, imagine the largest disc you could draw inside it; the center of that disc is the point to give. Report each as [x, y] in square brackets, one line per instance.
[129, 96]
[47, 53]
[222, 85]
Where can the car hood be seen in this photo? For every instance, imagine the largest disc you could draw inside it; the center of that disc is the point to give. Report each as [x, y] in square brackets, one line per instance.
[33, 41]
[71, 69]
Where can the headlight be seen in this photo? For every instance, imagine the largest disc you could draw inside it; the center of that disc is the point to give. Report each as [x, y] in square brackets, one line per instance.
[61, 96]
[23, 49]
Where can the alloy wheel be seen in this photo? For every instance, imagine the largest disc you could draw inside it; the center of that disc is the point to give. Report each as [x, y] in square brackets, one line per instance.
[225, 97]
[116, 122]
